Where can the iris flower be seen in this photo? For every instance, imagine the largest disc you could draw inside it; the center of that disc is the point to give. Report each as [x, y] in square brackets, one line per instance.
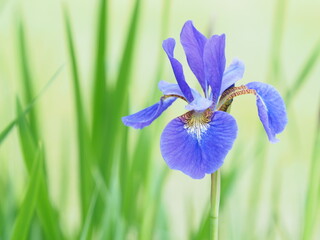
[198, 141]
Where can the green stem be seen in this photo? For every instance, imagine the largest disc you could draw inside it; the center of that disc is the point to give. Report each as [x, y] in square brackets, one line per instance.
[215, 201]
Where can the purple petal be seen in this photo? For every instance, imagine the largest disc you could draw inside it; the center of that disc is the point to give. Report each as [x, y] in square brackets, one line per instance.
[168, 46]
[214, 64]
[195, 155]
[199, 104]
[193, 43]
[146, 116]
[173, 88]
[271, 109]
[232, 74]
[169, 88]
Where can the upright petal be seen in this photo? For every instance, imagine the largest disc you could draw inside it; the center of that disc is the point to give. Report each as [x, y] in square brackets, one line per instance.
[271, 109]
[168, 46]
[193, 43]
[232, 74]
[201, 149]
[146, 116]
[214, 64]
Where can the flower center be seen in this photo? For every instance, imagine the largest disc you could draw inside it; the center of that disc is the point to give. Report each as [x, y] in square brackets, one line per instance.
[196, 123]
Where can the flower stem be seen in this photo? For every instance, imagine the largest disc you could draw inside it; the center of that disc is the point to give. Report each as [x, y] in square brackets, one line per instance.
[215, 201]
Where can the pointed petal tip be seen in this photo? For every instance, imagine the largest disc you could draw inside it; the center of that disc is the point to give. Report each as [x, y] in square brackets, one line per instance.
[188, 22]
[170, 39]
[168, 46]
[217, 37]
[186, 26]
[237, 62]
[193, 43]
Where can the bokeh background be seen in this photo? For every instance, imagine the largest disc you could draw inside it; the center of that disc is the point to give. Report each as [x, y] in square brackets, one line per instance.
[69, 169]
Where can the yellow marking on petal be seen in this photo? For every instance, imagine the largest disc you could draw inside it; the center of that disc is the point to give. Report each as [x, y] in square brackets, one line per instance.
[196, 123]
[174, 95]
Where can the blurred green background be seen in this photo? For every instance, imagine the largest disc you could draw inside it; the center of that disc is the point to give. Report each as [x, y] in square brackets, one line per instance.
[69, 169]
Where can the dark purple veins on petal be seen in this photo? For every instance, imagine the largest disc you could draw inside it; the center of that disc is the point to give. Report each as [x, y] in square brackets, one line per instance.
[271, 109]
[146, 116]
[214, 64]
[168, 46]
[195, 156]
[193, 43]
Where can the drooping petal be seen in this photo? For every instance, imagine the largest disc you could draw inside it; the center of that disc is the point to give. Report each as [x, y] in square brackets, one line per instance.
[174, 89]
[146, 116]
[193, 43]
[199, 104]
[168, 46]
[232, 74]
[201, 151]
[214, 64]
[271, 109]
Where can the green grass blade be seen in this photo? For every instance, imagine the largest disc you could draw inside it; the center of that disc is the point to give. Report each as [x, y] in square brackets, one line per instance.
[99, 109]
[256, 186]
[47, 214]
[28, 91]
[27, 209]
[303, 74]
[277, 37]
[204, 229]
[132, 179]
[99, 94]
[124, 159]
[127, 60]
[152, 204]
[8, 208]
[113, 225]
[312, 198]
[4, 133]
[27, 139]
[89, 216]
[229, 179]
[120, 93]
[85, 178]
[165, 17]
[136, 177]
[276, 225]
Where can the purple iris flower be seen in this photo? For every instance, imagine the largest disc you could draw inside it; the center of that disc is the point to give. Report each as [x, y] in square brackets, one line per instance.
[197, 142]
